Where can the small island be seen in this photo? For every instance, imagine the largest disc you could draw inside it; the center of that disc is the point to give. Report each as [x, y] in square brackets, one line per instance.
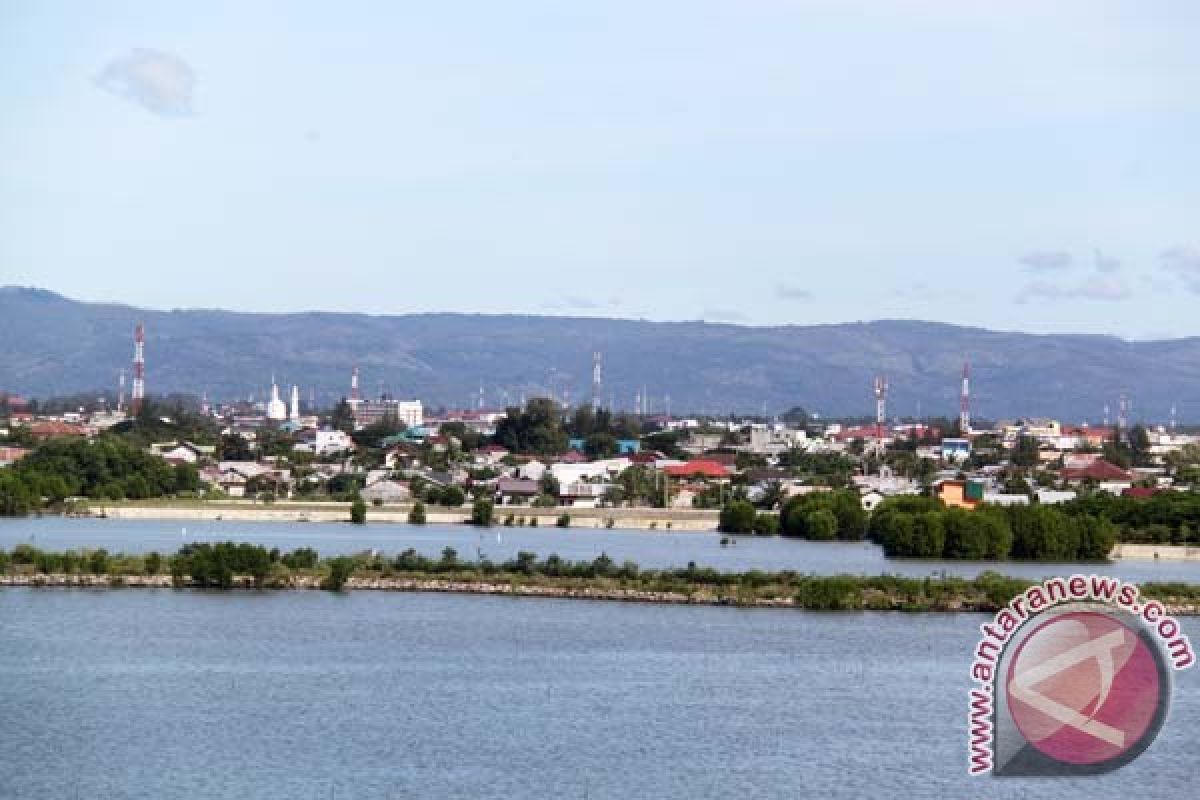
[230, 565]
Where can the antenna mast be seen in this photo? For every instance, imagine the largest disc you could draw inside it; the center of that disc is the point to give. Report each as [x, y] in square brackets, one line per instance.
[881, 390]
[964, 405]
[597, 385]
[139, 368]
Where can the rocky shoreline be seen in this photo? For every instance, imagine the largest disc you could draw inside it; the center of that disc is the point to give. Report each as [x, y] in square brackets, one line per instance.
[878, 601]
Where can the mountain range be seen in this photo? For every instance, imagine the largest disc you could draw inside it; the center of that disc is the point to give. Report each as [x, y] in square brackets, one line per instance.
[53, 345]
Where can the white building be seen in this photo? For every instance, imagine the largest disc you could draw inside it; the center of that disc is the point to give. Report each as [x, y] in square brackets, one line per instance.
[410, 412]
[276, 410]
[325, 442]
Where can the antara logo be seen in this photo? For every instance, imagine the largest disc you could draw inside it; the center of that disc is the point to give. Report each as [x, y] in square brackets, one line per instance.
[1074, 677]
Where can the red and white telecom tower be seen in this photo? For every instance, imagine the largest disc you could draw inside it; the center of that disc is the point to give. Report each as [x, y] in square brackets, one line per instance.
[881, 388]
[354, 397]
[138, 395]
[964, 403]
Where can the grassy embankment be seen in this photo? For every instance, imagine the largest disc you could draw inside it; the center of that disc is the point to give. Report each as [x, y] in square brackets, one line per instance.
[249, 566]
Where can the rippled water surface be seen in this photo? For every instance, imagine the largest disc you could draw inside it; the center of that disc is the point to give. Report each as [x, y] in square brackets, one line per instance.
[647, 548]
[162, 693]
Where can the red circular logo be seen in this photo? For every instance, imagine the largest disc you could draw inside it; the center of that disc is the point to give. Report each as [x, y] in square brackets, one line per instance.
[1084, 688]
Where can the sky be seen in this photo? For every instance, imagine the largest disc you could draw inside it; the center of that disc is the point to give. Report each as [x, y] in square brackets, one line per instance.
[1013, 165]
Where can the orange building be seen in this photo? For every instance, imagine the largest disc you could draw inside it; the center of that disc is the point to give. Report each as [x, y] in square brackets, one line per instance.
[959, 494]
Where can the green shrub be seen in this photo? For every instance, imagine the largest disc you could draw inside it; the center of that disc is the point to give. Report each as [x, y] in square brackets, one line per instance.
[820, 524]
[340, 570]
[766, 524]
[482, 512]
[737, 517]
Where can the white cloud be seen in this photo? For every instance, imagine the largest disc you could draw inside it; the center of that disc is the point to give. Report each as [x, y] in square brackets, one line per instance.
[1046, 260]
[159, 82]
[1097, 289]
[722, 315]
[1106, 264]
[1183, 261]
[791, 292]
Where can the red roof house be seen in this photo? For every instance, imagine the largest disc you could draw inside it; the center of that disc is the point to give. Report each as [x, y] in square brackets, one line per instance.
[47, 429]
[11, 455]
[703, 468]
[1098, 470]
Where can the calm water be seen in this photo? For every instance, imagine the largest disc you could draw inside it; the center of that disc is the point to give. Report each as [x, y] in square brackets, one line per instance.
[647, 548]
[155, 694]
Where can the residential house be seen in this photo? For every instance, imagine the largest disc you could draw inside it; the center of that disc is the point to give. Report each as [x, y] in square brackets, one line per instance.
[386, 491]
[1097, 471]
[1002, 499]
[697, 443]
[11, 455]
[959, 493]
[532, 470]
[583, 494]
[324, 442]
[52, 428]
[703, 468]
[1051, 497]
[958, 449]
[491, 455]
[516, 491]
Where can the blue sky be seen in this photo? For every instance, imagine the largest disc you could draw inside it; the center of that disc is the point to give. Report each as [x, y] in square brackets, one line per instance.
[1016, 165]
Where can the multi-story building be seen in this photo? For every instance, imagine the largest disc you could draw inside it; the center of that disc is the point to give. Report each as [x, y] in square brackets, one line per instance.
[368, 412]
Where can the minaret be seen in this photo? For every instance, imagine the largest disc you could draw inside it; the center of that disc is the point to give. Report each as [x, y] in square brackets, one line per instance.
[276, 410]
[294, 413]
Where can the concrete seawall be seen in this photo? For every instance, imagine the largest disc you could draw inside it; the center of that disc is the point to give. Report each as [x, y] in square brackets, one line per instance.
[1152, 552]
[627, 518]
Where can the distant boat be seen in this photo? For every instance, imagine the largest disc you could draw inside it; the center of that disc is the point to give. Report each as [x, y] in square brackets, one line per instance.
[498, 539]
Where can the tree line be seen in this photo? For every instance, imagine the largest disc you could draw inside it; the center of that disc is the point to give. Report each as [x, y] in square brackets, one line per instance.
[923, 527]
[821, 516]
[1163, 518]
[919, 527]
[105, 468]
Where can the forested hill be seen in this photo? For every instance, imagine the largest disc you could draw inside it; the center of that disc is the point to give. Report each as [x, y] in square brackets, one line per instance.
[50, 344]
